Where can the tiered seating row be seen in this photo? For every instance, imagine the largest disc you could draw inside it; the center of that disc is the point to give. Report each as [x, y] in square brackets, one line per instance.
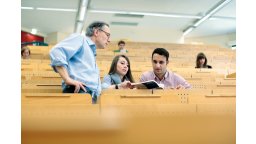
[205, 114]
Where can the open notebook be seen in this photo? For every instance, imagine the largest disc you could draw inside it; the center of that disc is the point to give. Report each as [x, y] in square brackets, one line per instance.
[148, 85]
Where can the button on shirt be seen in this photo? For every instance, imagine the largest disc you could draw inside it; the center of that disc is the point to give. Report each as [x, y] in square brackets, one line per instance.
[170, 80]
[77, 54]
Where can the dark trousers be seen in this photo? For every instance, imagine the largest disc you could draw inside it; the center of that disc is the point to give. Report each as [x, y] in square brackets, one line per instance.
[71, 89]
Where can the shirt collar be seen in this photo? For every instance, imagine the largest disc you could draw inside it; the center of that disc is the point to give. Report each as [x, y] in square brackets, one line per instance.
[91, 45]
[165, 75]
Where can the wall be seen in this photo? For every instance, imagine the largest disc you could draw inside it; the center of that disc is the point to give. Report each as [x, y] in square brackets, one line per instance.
[51, 38]
[134, 34]
[150, 35]
[221, 40]
[28, 37]
[141, 34]
[62, 36]
[55, 37]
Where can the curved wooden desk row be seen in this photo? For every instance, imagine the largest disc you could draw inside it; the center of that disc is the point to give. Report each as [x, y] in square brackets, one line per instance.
[137, 116]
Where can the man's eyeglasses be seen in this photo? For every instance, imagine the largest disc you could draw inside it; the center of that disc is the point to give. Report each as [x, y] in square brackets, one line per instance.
[108, 34]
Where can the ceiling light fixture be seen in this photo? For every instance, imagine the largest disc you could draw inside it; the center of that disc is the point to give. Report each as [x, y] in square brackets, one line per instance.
[173, 15]
[57, 9]
[209, 13]
[27, 8]
[34, 31]
[81, 15]
[221, 17]
[212, 11]
[188, 30]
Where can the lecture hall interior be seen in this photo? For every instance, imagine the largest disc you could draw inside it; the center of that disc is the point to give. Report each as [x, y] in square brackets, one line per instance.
[204, 114]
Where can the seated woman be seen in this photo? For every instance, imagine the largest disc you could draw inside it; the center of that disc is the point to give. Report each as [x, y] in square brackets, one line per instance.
[119, 75]
[25, 52]
[201, 61]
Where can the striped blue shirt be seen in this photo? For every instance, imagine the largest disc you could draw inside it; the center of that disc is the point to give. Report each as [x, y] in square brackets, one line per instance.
[77, 54]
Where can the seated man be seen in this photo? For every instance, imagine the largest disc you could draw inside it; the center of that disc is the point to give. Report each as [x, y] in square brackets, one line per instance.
[161, 75]
[121, 47]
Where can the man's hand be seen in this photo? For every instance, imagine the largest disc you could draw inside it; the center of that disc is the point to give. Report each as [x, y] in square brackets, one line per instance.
[75, 83]
[64, 74]
[180, 87]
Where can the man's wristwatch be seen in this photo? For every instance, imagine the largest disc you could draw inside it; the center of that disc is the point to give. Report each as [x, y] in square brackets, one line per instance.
[116, 86]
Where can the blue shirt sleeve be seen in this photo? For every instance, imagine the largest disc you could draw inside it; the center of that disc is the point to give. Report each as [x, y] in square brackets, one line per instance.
[65, 50]
[106, 82]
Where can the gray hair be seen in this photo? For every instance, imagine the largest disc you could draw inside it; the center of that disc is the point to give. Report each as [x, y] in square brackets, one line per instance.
[95, 25]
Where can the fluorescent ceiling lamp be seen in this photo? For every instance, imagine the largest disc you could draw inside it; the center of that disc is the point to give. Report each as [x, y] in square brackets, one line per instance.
[212, 11]
[79, 26]
[209, 13]
[173, 15]
[34, 31]
[187, 31]
[27, 8]
[200, 21]
[166, 15]
[221, 4]
[82, 13]
[146, 13]
[221, 17]
[124, 23]
[57, 9]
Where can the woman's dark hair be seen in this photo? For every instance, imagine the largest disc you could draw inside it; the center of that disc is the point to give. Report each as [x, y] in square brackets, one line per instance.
[113, 69]
[201, 56]
[121, 42]
[161, 51]
[23, 49]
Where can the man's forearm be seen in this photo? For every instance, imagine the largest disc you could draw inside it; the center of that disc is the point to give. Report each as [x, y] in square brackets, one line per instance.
[63, 73]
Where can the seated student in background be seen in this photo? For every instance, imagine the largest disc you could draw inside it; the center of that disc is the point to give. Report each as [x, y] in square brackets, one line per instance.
[201, 61]
[160, 73]
[119, 75]
[25, 53]
[121, 46]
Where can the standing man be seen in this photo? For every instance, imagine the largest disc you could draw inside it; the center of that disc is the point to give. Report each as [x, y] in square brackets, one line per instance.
[161, 75]
[74, 59]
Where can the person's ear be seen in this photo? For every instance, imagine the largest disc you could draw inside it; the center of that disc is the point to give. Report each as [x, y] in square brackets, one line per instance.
[167, 62]
[96, 32]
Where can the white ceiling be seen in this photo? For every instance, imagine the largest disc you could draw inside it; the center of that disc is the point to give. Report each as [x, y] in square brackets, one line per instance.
[53, 21]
